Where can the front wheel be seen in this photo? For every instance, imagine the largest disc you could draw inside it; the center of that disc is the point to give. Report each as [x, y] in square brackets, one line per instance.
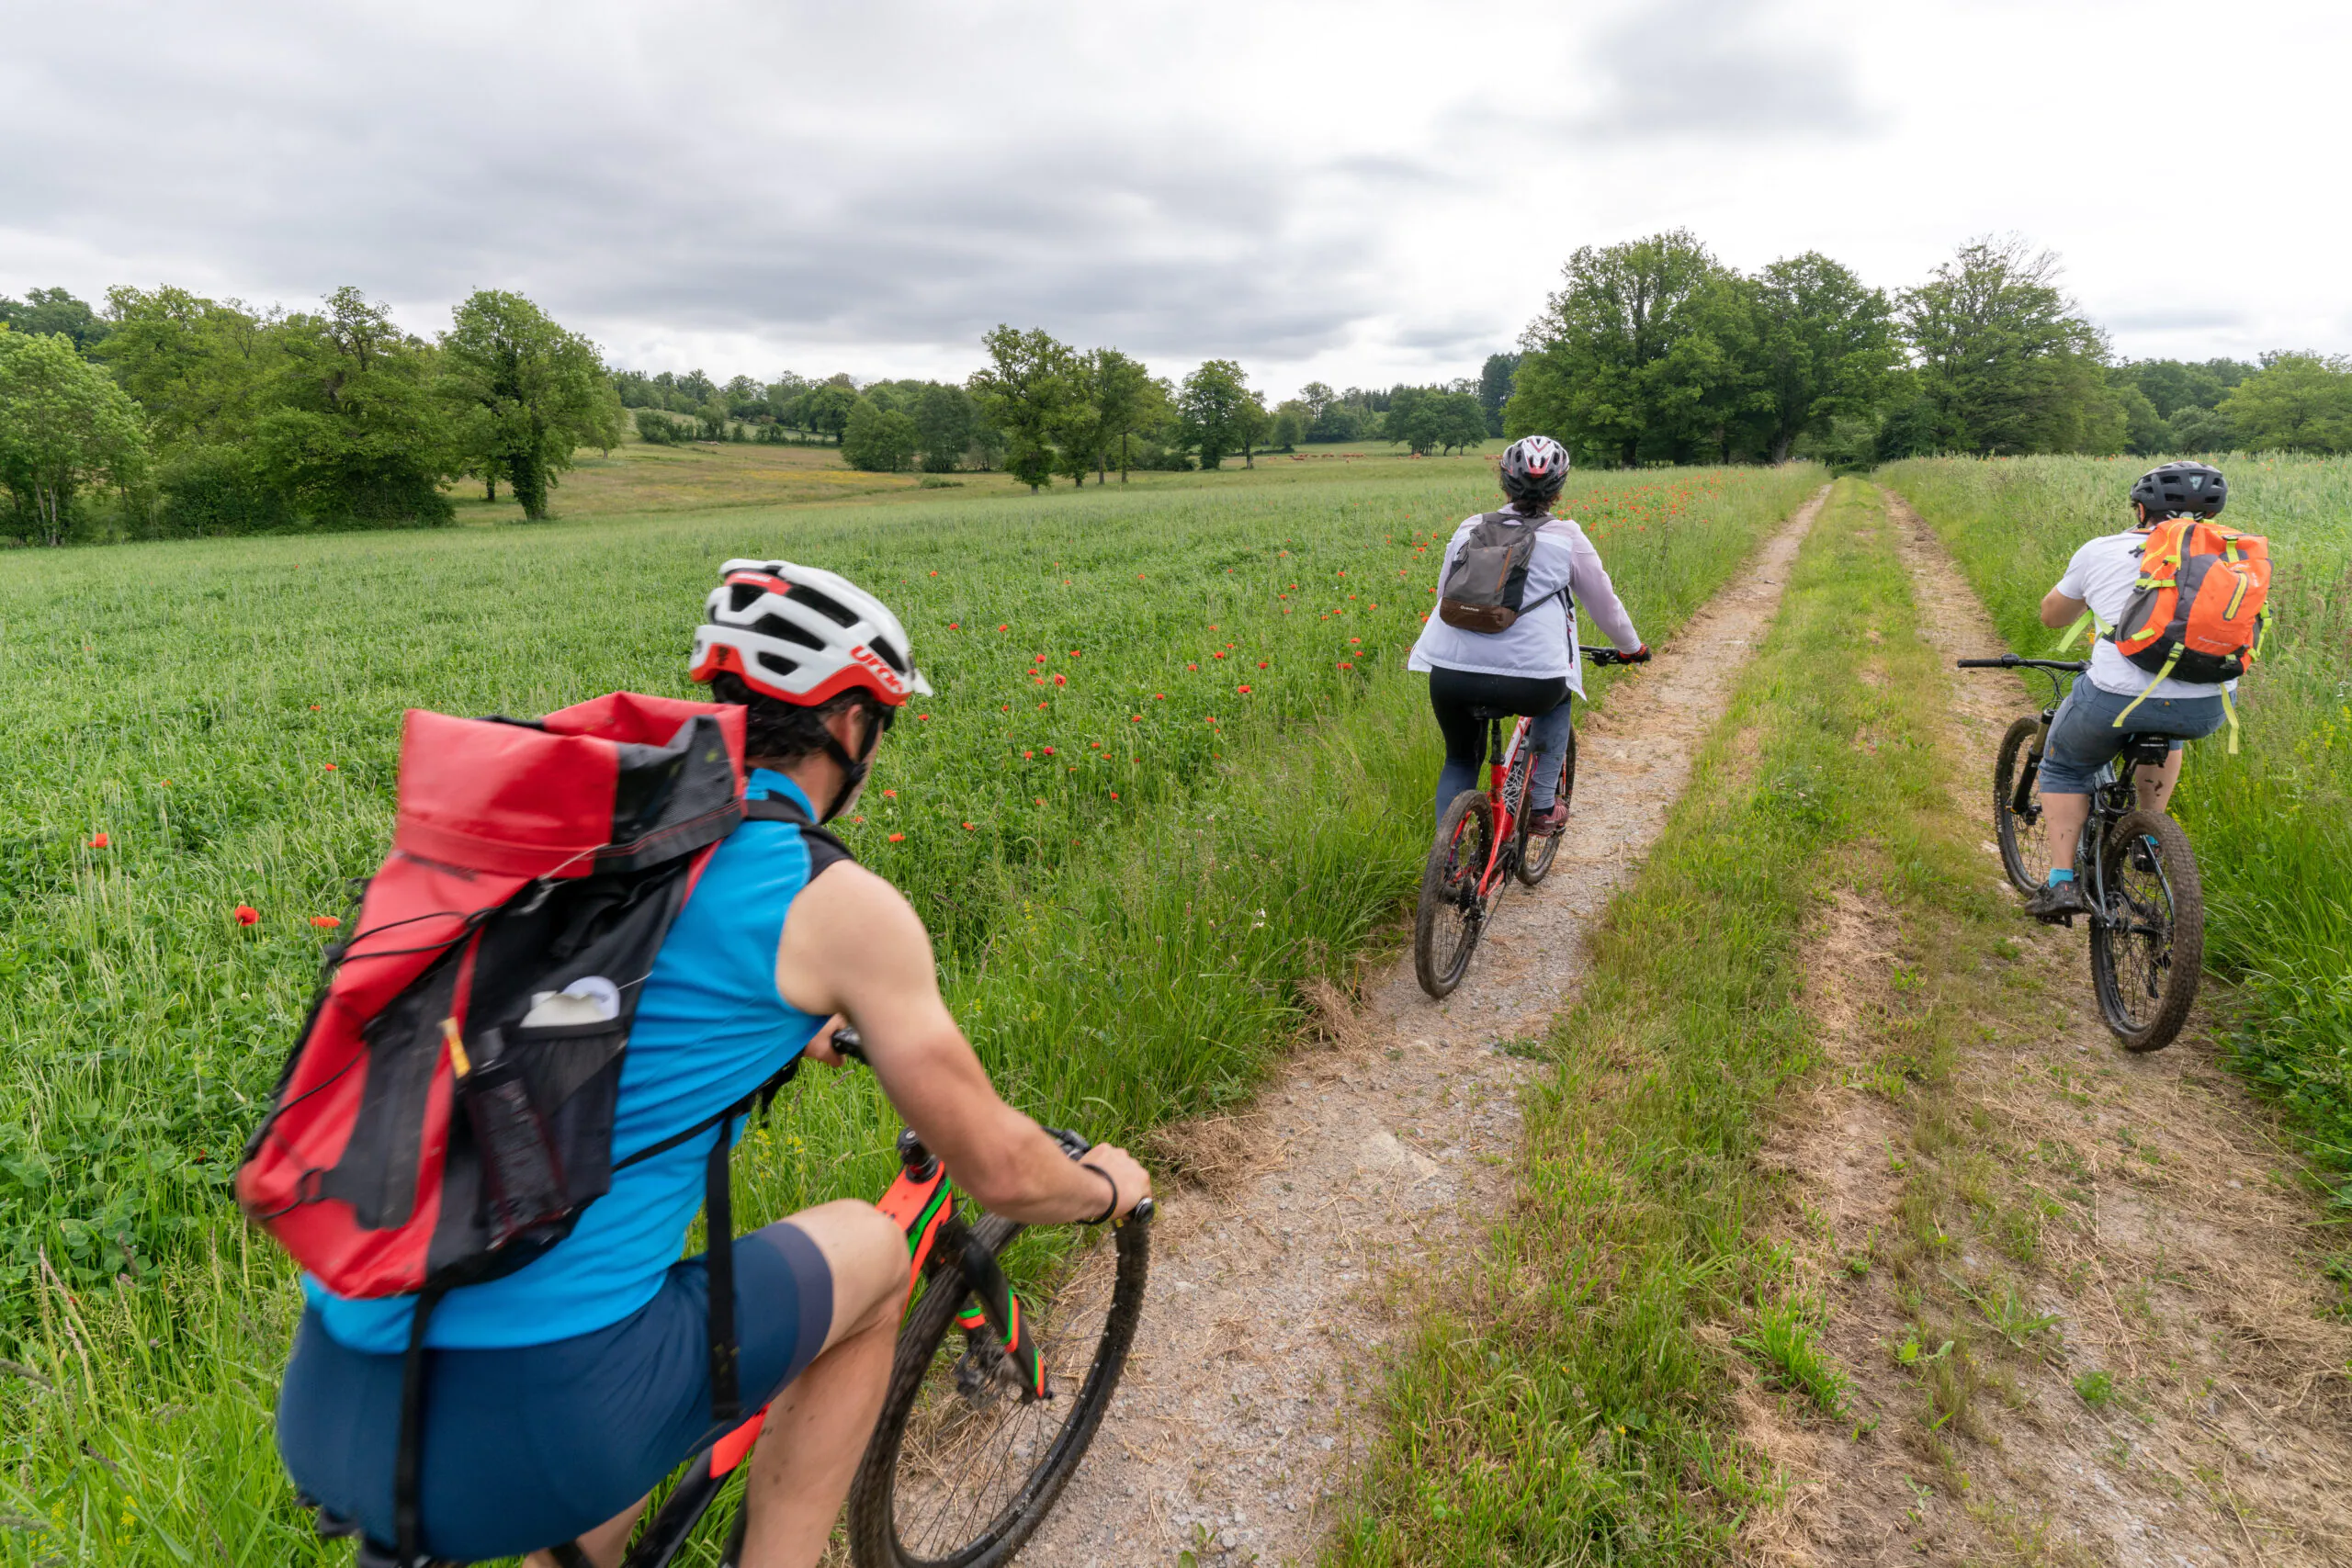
[1536, 855]
[2025, 842]
[1446, 924]
[962, 1469]
[2148, 940]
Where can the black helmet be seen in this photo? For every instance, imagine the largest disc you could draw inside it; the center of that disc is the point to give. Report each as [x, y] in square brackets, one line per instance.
[2182, 487]
[1535, 468]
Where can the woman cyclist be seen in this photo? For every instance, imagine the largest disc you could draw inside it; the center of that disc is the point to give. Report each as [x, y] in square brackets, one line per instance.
[1531, 666]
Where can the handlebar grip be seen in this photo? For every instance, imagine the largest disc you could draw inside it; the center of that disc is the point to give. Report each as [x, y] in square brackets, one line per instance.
[2004, 662]
[850, 1044]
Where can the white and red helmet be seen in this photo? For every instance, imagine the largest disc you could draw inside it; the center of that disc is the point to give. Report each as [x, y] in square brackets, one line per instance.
[804, 636]
[1534, 469]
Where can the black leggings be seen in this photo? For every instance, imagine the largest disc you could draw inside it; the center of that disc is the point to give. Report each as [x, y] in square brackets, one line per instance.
[1453, 692]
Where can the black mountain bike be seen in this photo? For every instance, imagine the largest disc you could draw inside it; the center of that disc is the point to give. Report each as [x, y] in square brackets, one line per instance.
[2139, 874]
[993, 1399]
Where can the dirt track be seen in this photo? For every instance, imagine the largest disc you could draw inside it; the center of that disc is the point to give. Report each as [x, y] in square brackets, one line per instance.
[1264, 1322]
[2174, 1258]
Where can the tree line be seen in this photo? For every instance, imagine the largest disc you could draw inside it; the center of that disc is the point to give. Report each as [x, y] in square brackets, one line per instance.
[1654, 351]
[165, 413]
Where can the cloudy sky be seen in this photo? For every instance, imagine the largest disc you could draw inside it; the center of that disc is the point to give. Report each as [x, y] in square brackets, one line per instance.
[1354, 190]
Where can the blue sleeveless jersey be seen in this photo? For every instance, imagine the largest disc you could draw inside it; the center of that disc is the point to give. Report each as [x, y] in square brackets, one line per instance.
[711, 1028]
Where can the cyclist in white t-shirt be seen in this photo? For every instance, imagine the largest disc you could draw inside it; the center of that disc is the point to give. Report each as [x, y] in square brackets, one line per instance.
[2085, 738]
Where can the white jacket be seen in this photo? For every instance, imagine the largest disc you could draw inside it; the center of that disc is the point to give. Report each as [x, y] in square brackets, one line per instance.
[1542, 643]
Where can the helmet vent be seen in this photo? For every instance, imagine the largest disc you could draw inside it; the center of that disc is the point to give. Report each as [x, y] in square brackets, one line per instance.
[776, 663]
[824, 604]
[743, 595]
[890, 656]
[777, 626]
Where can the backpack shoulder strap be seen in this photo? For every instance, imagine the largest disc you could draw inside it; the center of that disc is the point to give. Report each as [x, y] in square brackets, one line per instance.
[824, 848]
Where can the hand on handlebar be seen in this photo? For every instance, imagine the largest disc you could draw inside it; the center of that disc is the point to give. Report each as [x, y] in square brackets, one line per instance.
[836, 1042]
[1639, 656]
[1127, 1177]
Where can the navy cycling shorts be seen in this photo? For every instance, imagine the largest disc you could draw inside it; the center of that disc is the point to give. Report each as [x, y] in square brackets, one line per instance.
[528, 1447]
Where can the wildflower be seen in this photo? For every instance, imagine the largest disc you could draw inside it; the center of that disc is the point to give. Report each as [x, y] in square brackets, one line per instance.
[1345, 665]
[328, 766]
[898, 838]
[1039, 659]
[934, 574]
[1212, 625]
[1114, 794]
[922, 719]
[1041, 800]
[1355, 639]
[246, 915]
[1044, 705]
[1049, 750]
[967, 827]
[1160, 697]
[1243, 690]
[1096, 744]
[1028, 756]
[326, 922]
[1061, 680]
[314, 707]
[99, 841]
[890, 793]
[953, 627]
[1073, 653]
[1261, 664]
[1004, 628]
[858, 818]
[1007, 706]
[1216, 656]
[1192, 666]
[1135, 718]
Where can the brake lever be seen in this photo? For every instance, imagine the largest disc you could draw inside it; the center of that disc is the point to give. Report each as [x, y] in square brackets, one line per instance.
[1077, 1147]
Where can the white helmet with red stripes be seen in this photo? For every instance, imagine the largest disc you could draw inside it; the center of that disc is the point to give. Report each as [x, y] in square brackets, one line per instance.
[803, 635]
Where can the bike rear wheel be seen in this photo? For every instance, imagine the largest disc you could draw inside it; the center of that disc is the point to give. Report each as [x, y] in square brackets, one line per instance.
[1536, 855]
[2148, 942]
[2025, 843]
[1450, 913]
[960, 1472]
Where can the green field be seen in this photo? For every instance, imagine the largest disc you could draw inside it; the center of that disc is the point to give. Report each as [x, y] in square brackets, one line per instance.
[2272, 825]
[1174, 770]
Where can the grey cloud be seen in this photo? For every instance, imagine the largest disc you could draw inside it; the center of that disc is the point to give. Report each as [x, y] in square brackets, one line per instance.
[279, 152]
[1704, 70]
[2174, 319]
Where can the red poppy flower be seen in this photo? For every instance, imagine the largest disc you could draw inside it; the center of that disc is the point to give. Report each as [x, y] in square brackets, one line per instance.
[922, 719]
[934, 574]
[1192, 666]
[1261, 664]
[1212, 625]
[1039, 659]
[1049, 750]
[314, 707]
[1243, 690]
[1216, 656]
[953, 627]
[967, 827]
[1073, 653]
[1135, 718]
[1345, 665]
[326, 922]
[246, 915]
[328, 766]
[1041, 800]
[99, 841]
[858, 818]
[1160, 697]
[1028, 756]
[1004, 628]
[1006, 707]
[1096, 744]
[1060, 679]
[1044, 705]
[898, 838]
[1355, 639]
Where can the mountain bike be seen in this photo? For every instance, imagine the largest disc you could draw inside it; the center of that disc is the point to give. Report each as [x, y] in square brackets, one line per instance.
[992, 1400]
[2140, 876]
[1482, 843]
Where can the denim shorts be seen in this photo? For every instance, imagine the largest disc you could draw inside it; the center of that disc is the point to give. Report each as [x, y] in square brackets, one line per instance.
[530, 1446]
[2084, 739]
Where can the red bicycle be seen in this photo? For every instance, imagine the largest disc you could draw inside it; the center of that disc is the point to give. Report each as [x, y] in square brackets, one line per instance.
[1483, 841]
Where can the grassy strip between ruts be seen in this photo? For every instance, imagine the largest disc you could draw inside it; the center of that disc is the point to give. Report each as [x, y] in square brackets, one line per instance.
[1566, 1398]
[2273, 824]
[1146, 975]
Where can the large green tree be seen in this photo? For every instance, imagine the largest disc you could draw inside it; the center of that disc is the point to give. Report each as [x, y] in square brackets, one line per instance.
[352, 428]
[1218, 413]
[1824, 343]
[1594, 373]
[1022, 392]
[532, 394]
[193, 364]
[2004, 360]
[64, 427]
[944, 417]
[2297, 403]
[1494, 388]
[879, 439]
[54, 311]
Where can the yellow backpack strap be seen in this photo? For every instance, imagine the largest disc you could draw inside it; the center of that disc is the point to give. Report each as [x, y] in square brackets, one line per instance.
[2170, 659]
[2085, 622]
[2231, 709]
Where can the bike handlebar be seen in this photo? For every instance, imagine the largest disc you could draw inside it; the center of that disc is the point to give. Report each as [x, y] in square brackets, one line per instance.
[852, 1046]
[1606, 656]
[2011, 662]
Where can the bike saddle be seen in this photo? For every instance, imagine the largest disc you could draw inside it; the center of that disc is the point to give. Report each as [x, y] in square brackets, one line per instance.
[2146, 748]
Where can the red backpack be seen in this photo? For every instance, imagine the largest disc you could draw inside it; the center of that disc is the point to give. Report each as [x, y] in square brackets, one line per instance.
[446, 1114]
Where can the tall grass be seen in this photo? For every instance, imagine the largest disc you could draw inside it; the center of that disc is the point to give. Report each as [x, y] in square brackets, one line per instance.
[1129, 863]
[1568, 1399]
[2273, 825]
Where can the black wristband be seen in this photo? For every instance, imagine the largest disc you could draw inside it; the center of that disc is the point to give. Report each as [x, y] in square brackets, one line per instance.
[1112, 1206]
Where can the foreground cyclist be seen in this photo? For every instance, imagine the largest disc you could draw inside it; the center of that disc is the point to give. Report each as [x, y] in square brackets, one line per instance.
[560, 1396]
[2085, 736]
[1529, 667]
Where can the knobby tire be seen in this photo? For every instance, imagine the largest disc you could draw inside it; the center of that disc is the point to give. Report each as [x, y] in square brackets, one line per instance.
[1447, 922]
[2149, 951]
[873, 1535]
[1536, 855]
[2024, 846]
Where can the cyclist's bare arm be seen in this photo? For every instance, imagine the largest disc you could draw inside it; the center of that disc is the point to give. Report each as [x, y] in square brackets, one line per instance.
[853, 946]
[2059, 611]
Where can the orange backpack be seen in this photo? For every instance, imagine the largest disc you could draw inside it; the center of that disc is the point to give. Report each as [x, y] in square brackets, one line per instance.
[2196, 613]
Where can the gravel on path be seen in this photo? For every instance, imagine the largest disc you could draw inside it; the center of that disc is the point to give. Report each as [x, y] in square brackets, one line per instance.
[1270, 1302]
